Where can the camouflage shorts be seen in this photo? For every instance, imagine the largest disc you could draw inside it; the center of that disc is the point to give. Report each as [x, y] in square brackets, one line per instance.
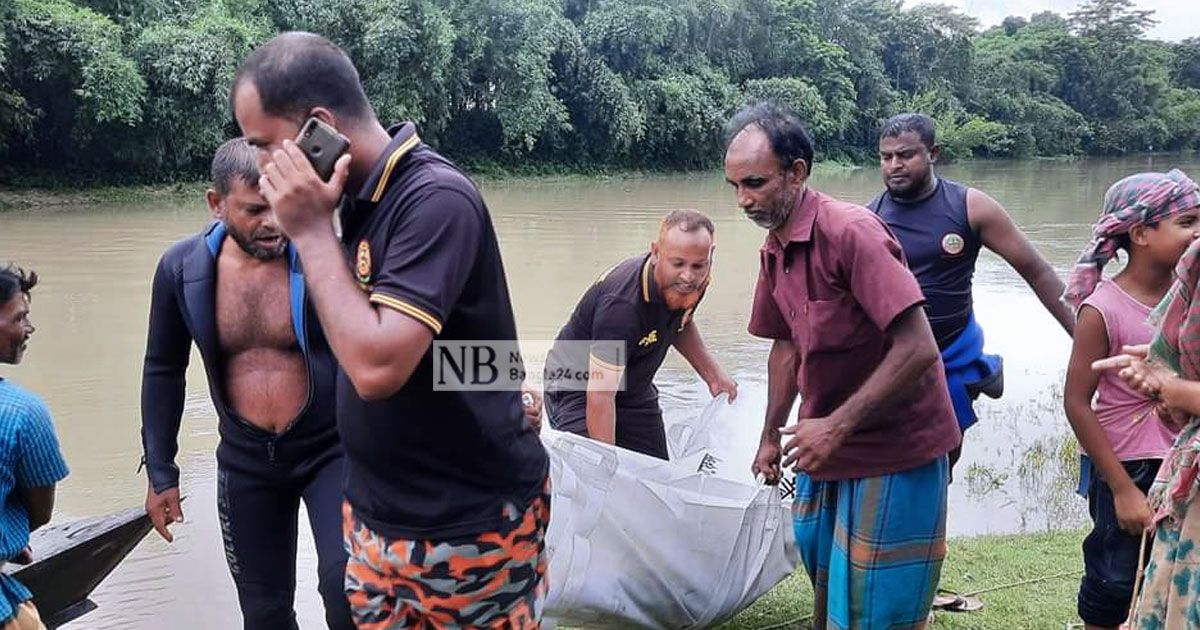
[493, 580]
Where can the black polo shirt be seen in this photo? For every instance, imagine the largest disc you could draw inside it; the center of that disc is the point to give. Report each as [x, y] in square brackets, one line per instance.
[624, 305]
[426, 464]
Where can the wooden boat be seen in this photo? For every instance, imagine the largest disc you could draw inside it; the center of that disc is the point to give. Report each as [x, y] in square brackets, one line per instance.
[70, 560]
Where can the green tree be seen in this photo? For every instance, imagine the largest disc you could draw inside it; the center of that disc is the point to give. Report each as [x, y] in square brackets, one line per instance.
[800, 95]
[16, 120]
[79, 88]
[501, 98]
[606, 120]
[406, 62]
[1186, 69]
[136, 89]
[1020, 74]
[684, 118]
[189, 68]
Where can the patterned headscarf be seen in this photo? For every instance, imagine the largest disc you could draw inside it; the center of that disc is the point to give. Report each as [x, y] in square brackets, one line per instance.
[1144, 198]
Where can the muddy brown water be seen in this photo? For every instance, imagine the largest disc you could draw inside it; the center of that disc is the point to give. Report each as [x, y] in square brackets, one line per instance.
[96, 263]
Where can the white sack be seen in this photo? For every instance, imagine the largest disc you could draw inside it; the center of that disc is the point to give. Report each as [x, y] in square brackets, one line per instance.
[637, 541]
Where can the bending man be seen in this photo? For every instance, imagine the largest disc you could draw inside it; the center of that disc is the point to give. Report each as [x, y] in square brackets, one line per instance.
[620, 332]
[33, 464]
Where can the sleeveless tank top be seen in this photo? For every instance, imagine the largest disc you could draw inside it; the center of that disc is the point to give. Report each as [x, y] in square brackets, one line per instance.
[941, 249]
[1127, 416]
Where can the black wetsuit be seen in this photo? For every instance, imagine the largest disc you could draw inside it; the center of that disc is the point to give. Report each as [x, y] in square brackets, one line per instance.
[261, 476]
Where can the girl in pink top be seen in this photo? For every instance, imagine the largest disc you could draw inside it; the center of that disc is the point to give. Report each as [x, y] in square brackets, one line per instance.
[1118, 427]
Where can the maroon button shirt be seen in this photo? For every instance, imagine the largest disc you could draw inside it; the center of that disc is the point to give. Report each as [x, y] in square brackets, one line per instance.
[833, 289]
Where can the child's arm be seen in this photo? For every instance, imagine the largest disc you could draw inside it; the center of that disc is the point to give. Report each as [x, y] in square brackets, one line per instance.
[1091, 344]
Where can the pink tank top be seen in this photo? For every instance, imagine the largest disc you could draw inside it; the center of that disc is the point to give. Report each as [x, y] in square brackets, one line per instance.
[1117, 406]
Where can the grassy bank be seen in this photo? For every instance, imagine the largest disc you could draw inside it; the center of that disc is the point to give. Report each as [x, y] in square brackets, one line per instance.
[46, 194]
[1028, 582]
[49, 197]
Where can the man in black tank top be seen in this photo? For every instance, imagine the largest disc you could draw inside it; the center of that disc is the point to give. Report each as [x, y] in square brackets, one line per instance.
[942, 225]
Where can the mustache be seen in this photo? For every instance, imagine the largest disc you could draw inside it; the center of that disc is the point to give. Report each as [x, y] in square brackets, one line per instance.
[763, 218]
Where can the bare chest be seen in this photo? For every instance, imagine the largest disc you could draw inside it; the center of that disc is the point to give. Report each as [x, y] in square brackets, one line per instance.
[253, 309]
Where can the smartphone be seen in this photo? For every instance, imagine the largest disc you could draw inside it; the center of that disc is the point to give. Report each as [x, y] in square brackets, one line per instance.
[322, 144]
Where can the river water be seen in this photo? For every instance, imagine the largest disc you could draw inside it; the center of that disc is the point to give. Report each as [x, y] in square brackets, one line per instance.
[96, 263]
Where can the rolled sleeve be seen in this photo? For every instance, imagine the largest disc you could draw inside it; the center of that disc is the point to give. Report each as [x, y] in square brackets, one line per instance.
[40, 462]
[429, 256]
[765, 318]
[879, 278]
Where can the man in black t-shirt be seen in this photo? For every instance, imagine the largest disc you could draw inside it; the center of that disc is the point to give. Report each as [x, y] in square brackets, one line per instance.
[600, 374]
[446, 489]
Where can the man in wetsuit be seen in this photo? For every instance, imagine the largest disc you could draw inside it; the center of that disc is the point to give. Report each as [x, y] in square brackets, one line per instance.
[620, 332]
[942, 225]
[237, 291]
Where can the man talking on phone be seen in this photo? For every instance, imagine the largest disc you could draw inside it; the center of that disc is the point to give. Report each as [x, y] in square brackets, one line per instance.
[237, 291]
[447, 496]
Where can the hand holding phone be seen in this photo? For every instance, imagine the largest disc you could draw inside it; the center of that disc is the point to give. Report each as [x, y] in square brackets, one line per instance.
[301, 202]
[322, 144]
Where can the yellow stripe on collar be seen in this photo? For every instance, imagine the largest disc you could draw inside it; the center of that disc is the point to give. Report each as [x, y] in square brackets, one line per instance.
[404, 148]
[646, 281]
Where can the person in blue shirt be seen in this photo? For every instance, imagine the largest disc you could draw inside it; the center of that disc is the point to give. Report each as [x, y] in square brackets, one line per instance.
[30, 460]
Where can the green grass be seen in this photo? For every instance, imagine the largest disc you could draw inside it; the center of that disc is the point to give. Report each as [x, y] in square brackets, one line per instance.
[974, 564]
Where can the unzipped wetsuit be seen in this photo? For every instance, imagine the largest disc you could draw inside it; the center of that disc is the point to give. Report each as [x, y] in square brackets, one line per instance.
[261, 476]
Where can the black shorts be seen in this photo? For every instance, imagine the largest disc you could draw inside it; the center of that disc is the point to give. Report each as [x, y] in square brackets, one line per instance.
[1110, 554]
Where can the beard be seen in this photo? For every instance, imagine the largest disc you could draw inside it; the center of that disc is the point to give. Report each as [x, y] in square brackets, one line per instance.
[765, 219]
[907, 188]
[774, 216]
[681, 300]
[251, 246]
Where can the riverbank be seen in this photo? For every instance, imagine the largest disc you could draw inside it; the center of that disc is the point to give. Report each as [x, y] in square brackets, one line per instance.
[1025, 581]
[55, 195]
[35, 198]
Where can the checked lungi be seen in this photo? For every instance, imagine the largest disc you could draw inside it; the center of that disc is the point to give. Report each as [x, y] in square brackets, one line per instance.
[873, 547]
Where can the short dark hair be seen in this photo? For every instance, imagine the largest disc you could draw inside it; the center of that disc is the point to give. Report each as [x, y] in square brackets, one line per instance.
[919, 124]
[14, 279]
[785, 131]
[297, 71]
[686, 220]
[233, 159]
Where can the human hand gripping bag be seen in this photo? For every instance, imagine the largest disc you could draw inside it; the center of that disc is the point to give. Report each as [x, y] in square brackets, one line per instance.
[635, 541]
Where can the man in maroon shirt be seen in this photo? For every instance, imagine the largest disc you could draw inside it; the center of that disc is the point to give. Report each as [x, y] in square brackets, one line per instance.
[875, 422]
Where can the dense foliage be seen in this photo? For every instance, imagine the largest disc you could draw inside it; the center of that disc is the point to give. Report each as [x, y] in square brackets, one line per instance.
[136, 89]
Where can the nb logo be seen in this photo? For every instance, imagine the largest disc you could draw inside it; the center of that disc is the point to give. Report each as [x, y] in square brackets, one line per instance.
[649, 339]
